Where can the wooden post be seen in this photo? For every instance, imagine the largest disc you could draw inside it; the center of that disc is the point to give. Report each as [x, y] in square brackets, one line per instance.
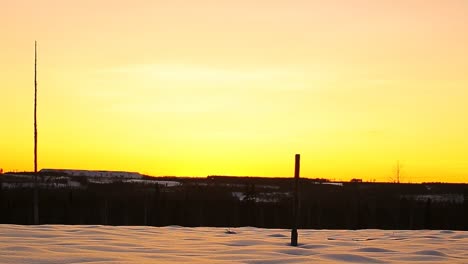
[294, 235]
[36, 194]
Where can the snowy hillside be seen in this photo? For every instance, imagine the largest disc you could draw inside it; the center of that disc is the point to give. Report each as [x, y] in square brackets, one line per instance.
[107, 244]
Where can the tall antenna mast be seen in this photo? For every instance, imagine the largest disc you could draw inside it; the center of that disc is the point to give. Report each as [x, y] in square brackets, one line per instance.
[35, 107]
[36, 195]
[398, 172]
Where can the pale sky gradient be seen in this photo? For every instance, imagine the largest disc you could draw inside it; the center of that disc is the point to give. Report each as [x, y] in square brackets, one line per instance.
[238, 87]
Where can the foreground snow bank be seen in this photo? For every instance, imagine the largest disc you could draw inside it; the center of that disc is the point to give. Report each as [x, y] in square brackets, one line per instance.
[106, 244]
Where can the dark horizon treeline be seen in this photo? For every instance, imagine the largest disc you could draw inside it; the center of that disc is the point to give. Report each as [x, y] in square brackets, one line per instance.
[352, 206]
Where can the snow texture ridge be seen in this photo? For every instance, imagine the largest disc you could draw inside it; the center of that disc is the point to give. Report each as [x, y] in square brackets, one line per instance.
[174, 244]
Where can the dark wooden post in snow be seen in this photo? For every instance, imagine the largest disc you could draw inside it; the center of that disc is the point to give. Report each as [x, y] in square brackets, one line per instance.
[36, 195]
[294, 235]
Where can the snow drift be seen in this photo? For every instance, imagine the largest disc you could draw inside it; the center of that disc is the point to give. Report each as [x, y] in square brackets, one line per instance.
[108, 244]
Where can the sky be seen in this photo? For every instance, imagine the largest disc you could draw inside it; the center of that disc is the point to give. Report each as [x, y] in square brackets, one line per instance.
[218, 87]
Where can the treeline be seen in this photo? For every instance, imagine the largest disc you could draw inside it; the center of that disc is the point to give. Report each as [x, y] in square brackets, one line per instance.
[210, 202]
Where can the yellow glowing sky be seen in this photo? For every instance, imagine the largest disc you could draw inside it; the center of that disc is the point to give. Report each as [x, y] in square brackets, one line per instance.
[170, 87]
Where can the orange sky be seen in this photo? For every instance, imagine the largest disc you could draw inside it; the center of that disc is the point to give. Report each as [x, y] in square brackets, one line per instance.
[238, 87]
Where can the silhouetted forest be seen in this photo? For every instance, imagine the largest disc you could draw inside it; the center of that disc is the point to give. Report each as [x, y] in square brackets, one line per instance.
[244, 201]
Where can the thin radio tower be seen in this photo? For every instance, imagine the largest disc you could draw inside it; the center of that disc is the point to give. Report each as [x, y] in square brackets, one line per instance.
[36, 202]
[398, 172]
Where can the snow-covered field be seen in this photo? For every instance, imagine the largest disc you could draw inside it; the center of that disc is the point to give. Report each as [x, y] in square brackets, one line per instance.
[107, 244]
